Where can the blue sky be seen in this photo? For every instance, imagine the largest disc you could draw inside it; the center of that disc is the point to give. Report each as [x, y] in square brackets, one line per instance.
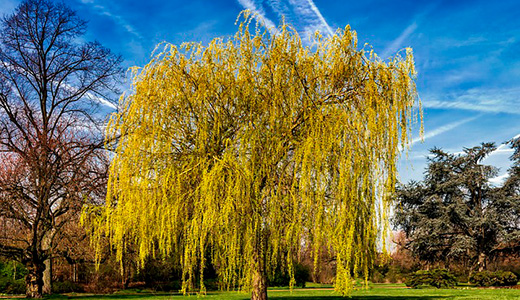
[467, 52]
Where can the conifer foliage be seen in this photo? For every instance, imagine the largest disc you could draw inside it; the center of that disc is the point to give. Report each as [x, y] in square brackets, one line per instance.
[254, 147]
[455, 215]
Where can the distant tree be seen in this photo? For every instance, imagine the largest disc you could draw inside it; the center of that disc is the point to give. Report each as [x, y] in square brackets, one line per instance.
[454, 214]
[252, 148]
[509, 203]
[51, 156]
[401, 257]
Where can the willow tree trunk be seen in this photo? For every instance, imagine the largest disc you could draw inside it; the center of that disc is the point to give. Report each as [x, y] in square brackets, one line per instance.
[34, 279]
[259, 279]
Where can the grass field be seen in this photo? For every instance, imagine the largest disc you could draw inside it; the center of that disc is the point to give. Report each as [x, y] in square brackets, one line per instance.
[379, 292]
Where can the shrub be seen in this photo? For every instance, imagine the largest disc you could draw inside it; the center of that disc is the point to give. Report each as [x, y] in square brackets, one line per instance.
[439, 278]
[164, 274]
[498, 278]
[66, 287]
[11, 269]
[301, 275]
[377, 276]
[12, 287]
[281, 277]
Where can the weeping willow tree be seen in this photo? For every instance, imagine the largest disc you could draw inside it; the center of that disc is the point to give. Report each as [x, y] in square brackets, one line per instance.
[252, 148]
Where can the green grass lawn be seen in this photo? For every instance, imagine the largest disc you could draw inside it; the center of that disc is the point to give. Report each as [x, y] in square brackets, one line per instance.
[378, 292]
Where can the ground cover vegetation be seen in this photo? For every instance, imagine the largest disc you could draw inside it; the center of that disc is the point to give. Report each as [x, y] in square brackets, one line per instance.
[375, 293]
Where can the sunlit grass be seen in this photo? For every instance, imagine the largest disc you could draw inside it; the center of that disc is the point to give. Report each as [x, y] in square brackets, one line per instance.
[377, 292]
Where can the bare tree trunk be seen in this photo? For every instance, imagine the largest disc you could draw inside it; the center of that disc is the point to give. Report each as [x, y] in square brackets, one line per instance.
[47, 273]
[482, 259]
[34, 279]
[47, 277]
[74, 275]
[125, 277]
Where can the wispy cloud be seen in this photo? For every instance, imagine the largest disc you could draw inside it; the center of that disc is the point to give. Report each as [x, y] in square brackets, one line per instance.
[101, 100]
[91, 97]
[398, 42]
[501, 158]
[259, 13]
[307, 17]
[319, 16]
[499, 180]
[304, 15]
[479, 99]
[103, 10]
[503, 148]
[443, 129]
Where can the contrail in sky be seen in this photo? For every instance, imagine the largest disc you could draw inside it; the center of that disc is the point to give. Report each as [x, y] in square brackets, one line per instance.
[445, 128]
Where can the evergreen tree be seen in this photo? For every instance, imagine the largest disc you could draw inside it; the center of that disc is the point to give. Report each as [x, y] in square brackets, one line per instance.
[455, 214]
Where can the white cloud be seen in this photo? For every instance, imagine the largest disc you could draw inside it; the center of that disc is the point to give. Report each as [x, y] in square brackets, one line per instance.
[443, 129]
[479, 99]
[398, 42]
[499, 180]
[259, 13]
[90, 96]
[503, 148]
[320, 17]
[101, 100]
[310, 17]
[103, 10]
[303, 14]
[500, 159]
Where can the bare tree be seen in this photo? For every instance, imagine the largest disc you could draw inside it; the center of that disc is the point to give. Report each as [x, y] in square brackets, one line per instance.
[51, 143]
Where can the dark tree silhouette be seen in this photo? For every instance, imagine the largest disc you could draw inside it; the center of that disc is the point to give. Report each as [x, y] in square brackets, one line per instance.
[51, 143]
[454, 214]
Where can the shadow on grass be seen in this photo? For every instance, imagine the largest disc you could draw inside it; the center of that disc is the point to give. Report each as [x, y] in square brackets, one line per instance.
[113, 296]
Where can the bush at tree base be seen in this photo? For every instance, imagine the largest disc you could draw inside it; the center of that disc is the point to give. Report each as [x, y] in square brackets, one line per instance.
[498, 278]
[61, 287]
[439, 278]
[12, 276]
[282, 278]
[12, 287]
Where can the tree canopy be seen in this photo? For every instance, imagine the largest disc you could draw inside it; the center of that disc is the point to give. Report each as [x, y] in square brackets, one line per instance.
[255, 146]
[455, 214]
[51, 147]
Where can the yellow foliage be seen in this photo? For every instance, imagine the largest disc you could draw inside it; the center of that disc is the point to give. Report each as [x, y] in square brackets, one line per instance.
[254, 147]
